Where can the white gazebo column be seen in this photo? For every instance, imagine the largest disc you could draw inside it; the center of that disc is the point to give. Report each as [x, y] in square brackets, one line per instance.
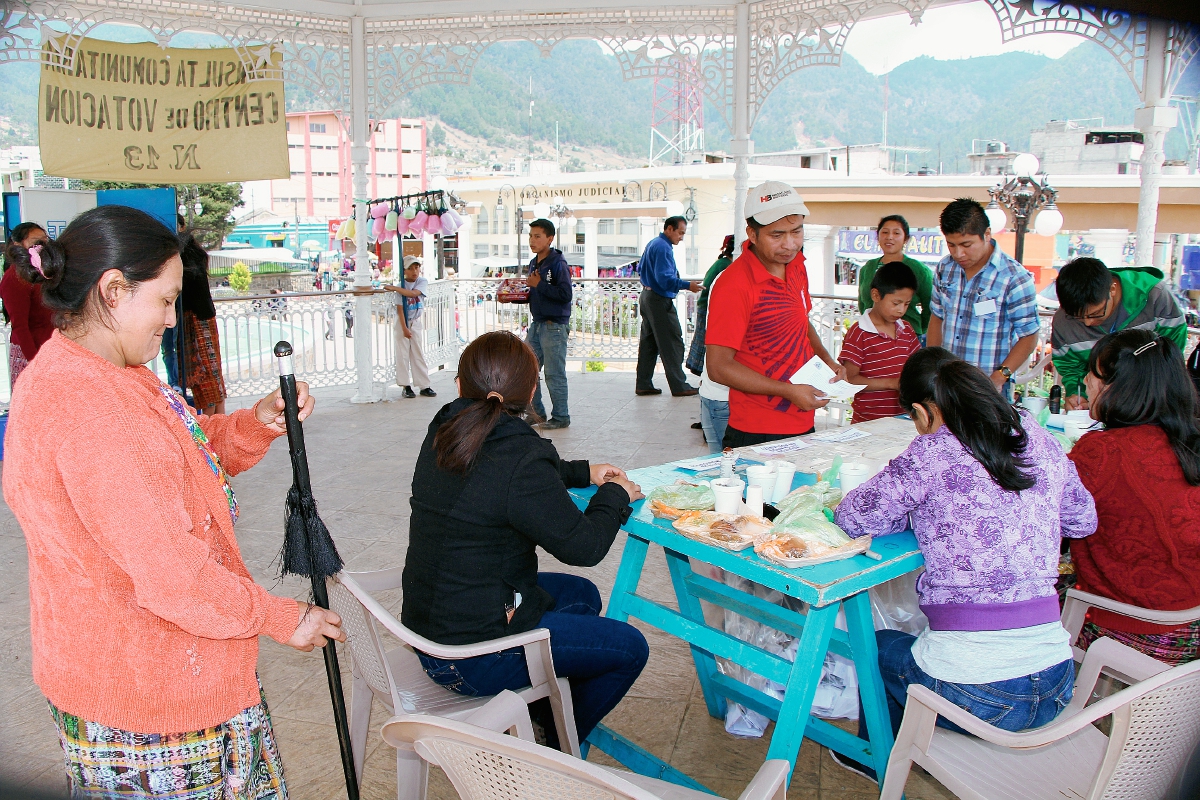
[740, 146]
[359, 158]
[1109, 244]
[1154, 119]
[591, 248]
[465, 254]
[820, 243]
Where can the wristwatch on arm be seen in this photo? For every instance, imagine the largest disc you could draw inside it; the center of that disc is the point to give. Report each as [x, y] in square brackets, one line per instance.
[1006, 372]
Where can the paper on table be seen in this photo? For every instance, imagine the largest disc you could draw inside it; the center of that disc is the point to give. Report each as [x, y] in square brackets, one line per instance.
[817, 374]
[700, 464]
[843, 435]
[780, 448]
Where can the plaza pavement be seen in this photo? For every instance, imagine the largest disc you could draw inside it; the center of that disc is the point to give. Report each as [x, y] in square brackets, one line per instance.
[362, 459]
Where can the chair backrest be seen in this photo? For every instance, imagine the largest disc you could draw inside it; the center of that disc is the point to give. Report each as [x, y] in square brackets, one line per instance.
[1152, 738]
[484, 765]
[362, 637]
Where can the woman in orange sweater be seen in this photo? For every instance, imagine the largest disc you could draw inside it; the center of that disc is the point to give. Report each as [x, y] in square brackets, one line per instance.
[144, 618]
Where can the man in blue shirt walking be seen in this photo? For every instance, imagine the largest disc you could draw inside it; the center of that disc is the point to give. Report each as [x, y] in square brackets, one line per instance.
[550, 306]
[661, 334]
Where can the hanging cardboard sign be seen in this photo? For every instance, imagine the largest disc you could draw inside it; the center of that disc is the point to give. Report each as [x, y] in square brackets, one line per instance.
[141, 113]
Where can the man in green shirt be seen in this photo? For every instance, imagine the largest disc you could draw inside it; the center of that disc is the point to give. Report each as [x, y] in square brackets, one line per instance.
[892, 235]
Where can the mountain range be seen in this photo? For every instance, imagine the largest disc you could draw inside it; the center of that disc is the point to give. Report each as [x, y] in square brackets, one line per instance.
[936, 105]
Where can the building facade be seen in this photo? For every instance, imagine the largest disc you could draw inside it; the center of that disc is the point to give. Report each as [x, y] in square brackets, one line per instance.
[321, 181]
[1083, 147]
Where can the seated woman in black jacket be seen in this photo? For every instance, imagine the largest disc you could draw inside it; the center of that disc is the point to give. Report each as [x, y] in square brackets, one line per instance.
[487, 492]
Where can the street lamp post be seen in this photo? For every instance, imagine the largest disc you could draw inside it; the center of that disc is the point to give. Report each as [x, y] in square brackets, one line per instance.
[563, 218]
[512, 191]
[190, 206]
[1024, 194]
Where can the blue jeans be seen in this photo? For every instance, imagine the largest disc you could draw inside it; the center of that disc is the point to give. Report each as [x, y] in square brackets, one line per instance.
[1012, 705]
[600, 657]
[549, 342]
[714, 418]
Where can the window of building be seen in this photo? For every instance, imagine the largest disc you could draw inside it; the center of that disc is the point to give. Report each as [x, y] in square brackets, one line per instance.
[287, 127]
[526, 253]
[504, 250]
[606, 226]
[606, 251]
[481, 251]
[627, 251]
[481, 221]
[629, 225]
[1122, 168]
[504, 223]
[495, 249]
[316, 127]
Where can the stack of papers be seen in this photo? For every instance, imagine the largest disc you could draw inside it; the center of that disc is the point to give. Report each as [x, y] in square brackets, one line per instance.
[817, 374]
[843, 435]
[781, 448]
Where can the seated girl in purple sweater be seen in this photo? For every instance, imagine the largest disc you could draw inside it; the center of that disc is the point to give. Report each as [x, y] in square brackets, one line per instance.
[989, 494]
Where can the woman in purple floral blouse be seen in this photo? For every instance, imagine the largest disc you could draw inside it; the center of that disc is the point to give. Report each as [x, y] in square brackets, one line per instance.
[989, 494]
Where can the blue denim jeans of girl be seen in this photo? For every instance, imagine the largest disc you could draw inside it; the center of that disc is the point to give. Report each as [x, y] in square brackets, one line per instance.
[714, 419]
[1012, 705]
[600, 657]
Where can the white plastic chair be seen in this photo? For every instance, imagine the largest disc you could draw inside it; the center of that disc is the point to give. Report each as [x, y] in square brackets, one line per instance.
[1078, 602]
[1155, 727]
[398, 680]
[486, 765]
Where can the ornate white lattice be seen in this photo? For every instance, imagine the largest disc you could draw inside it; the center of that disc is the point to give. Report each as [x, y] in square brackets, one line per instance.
[315, 47]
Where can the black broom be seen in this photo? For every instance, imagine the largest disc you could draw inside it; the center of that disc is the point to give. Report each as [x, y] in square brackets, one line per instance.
[308, 550]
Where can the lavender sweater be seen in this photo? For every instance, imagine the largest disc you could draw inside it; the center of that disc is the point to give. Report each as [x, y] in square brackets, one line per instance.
[991, 556]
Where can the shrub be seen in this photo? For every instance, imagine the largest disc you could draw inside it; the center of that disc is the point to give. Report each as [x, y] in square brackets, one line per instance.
[594, 364]
[239, 277]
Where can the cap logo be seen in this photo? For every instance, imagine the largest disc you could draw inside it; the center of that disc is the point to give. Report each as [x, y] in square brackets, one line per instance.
[766, 198]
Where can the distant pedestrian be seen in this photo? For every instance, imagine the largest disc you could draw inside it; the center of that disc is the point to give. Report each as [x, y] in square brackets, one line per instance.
[550, 306]
[31, 323]
[662, 336]
[695, 359]
[201, 339]
[409, 297]
[892, 234]
[984, 303]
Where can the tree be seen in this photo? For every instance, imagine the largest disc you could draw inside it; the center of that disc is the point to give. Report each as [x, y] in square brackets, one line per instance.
[217, 199]
[239, 277]
[437, 134]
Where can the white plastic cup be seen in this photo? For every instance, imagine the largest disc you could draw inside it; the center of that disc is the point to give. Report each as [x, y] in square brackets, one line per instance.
[762, 475]
[854, 474]
[1034, 404]
[785, 472]
[754, 500]
[728, 492]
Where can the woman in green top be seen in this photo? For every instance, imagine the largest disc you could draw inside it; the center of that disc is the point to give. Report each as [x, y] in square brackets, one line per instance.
[695, 359]
[892, 234]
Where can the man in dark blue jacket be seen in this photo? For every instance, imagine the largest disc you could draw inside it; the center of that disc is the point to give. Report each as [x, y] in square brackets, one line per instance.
[661, 334]
[550, 305]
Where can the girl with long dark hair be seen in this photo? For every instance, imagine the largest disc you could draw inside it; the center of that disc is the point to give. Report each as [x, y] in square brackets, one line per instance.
[205, 375]
[486, 493]
[1144, 471]
[989, 494]
[30, 321]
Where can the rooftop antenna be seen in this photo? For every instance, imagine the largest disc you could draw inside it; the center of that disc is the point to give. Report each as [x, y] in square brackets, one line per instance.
[677, 113]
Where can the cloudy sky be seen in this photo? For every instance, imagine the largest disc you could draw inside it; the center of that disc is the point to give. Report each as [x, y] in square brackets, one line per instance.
[950, 32]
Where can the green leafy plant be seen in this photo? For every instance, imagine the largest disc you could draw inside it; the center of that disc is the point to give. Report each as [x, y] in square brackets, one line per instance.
[239, 277]
[594, 364]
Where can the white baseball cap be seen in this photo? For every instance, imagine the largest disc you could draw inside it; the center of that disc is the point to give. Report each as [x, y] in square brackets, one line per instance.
[410, 261]
[772, 201]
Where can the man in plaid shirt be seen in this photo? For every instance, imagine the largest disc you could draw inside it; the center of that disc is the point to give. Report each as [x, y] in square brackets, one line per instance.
[984, 303]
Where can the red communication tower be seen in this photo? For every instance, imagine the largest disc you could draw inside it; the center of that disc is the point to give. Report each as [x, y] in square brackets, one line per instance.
[677, 114]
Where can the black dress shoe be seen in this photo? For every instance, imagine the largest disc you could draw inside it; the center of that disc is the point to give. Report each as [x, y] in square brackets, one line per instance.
[690, 391]
[644, 392]
[428, 392]
[408, 392]
[696, 426]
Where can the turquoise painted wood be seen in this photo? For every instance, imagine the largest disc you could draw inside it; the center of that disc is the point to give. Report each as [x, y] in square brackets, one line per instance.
[827, 588]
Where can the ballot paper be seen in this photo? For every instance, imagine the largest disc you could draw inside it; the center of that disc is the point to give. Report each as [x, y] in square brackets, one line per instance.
[817, 374]
[842, 435]
[781, 448]
[700, 464]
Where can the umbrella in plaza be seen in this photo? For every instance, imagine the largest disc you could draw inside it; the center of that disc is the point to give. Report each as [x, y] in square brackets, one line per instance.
[308, 550]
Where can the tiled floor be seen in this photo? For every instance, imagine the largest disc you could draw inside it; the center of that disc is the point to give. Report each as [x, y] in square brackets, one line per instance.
[362, 460]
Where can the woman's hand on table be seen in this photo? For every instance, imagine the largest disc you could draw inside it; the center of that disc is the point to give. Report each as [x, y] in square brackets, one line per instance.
[269, 410]
[317, 626]
[632, 489]
[603, 473]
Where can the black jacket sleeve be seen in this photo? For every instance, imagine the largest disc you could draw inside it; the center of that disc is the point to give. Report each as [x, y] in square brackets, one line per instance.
[575, 474]
[541, 509]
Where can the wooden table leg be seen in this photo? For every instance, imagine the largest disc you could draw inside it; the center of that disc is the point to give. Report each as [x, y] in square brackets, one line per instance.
[861, 629]
[802, 685]
[689, 606]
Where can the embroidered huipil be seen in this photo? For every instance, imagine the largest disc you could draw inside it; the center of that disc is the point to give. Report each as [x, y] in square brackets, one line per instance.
[991, 556]
[982, 318]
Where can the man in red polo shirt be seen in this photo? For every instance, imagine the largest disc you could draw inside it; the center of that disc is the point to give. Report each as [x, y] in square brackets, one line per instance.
[758, 330]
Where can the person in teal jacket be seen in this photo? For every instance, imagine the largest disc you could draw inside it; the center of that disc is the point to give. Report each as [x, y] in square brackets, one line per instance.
[892, 235]
[1094, 301]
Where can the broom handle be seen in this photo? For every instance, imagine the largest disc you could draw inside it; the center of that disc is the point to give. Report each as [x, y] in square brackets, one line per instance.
[333, 671]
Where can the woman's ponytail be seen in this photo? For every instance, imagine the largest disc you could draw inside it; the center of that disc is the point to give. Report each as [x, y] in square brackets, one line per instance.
[44, 263]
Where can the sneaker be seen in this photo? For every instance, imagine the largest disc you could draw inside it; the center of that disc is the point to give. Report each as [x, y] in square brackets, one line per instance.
[428, 392]
[408, 392]
[554, 424]
[847, 763]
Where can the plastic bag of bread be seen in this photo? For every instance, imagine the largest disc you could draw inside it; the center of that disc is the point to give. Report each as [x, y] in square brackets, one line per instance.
[730, 531]
[671, 500]
[808, 539]
[803, 497]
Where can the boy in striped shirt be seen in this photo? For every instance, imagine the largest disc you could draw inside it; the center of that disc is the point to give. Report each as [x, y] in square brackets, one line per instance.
[876, 347]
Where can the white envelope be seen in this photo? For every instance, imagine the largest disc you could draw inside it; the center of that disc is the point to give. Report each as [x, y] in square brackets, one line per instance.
[817, 374]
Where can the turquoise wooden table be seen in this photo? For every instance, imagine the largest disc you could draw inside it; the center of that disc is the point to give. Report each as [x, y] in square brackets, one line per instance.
[827, 588]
